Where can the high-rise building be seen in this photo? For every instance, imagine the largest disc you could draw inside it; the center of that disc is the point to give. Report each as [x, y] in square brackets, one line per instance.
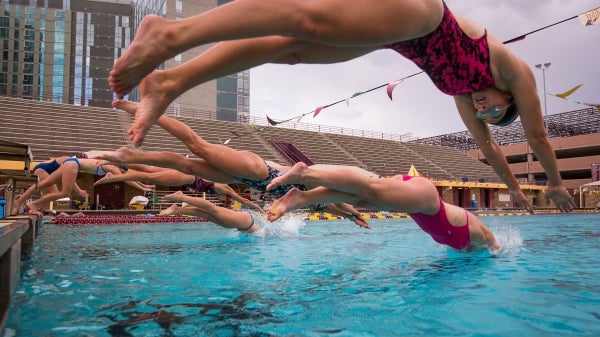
[63, 50]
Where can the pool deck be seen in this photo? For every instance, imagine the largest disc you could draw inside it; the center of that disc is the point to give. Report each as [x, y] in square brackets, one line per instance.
[17, 236]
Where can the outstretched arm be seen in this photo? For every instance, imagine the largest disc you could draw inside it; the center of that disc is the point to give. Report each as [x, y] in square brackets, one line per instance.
[490, 149]
[348, 212]
[222, 216]
[227, 190]
[166, 177]
[114, 170]
[83, 193]
[533, 123]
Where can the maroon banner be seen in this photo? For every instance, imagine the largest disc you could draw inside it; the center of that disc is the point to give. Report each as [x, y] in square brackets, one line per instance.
[595, 172]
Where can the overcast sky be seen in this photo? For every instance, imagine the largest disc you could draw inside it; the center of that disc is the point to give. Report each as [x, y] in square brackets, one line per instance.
[418, 108]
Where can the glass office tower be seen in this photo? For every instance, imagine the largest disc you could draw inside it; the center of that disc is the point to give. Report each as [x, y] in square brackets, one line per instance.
[63, 50]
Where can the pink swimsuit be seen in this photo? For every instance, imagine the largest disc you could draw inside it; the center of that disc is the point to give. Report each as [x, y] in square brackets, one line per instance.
[440, 229]
[456, 63]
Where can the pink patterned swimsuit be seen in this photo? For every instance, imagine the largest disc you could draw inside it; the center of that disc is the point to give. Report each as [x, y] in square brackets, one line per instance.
[456, 63]
[440, 229]
[201, 185]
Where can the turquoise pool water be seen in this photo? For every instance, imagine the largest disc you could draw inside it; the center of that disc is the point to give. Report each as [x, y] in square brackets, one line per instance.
[319, 278]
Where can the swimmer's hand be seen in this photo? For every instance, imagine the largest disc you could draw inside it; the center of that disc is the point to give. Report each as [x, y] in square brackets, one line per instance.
[521, 199]
[560, 197]
[84, 194]
[360, 221]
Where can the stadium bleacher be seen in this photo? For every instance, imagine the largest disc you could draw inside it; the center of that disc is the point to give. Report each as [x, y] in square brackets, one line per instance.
[52, 129]
[567, 124]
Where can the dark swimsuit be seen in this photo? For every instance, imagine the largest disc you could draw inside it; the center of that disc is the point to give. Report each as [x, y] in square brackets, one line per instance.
[73, 159]
[201, 185]
[456, 63]
[48, 167]
[251, 224]
[262, 185]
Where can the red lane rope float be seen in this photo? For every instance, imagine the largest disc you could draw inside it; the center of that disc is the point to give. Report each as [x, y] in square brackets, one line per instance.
[122, 219]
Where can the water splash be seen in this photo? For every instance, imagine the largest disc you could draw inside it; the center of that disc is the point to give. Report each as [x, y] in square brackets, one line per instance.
[509, 238]
[288, 225]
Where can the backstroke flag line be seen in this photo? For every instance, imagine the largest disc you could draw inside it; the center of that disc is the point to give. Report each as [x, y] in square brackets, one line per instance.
[569, 92]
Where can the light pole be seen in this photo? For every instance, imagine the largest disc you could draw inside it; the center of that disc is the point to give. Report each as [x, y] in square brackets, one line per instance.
[544, 67]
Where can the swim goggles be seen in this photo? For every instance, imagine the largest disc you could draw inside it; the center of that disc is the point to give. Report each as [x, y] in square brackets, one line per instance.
[493, 112]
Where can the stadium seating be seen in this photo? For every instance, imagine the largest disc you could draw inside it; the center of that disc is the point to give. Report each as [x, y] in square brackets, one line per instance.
[52, 129]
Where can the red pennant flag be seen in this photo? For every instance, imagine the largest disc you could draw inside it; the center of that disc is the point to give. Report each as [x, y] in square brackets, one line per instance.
[317, 111]
[391, 86]
[518, 38]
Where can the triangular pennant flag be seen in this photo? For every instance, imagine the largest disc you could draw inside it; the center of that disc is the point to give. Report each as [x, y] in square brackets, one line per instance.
[413, 171]
[347, 99]
[391, 86]
[590, 18]
[518, 38]
[317, 111]
[569, 92]
[272, 122]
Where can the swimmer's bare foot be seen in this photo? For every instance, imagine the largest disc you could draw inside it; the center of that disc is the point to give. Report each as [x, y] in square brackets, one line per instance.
[293, 176]
[32, 209]
[118, 157]
[171, 210]
[150, 47]
[156, 95]
[176, 197]
[127, 106]
[291, 200]
[107, 179]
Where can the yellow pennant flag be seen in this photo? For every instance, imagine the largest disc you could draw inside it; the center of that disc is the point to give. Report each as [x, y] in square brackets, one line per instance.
[590, 18]
[569, 92]
[413, 171]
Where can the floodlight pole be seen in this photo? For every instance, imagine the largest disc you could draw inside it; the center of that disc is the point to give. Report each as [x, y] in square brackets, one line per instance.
[543, 67]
